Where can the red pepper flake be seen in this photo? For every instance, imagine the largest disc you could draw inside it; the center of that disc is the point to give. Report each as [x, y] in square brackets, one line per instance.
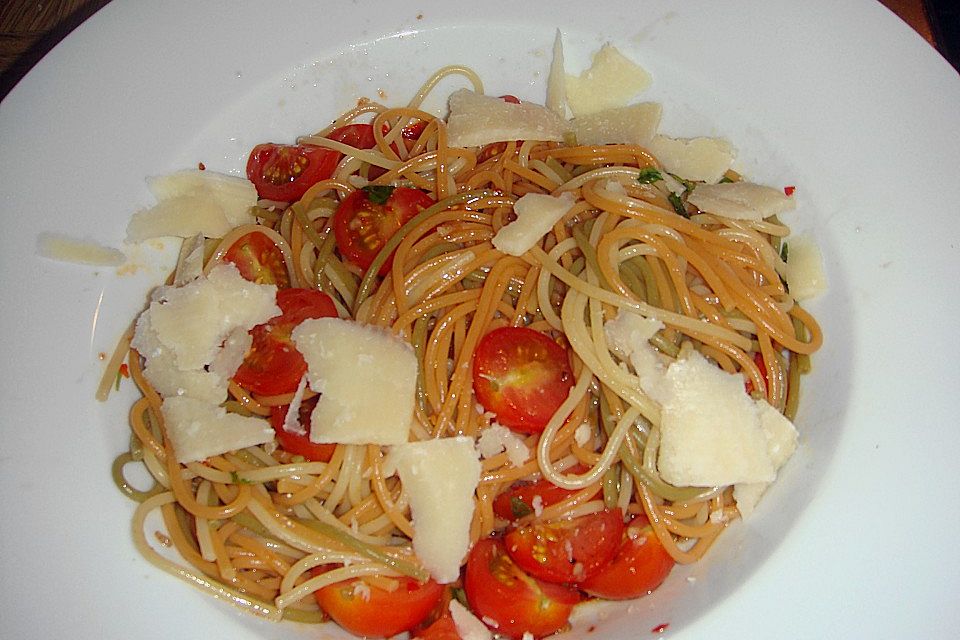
[789, 190]
[125, 370]
[660, 628]
[201, 166]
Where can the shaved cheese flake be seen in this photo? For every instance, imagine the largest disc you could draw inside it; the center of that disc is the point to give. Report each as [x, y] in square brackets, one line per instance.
[740, 200]
[536, 215]
[804, 273]
[345, 361]
[192, 202]
[556, 81]
[194, 320]
[229, 358]
[291, 421]
[64, 248]
[232, 194]
[198, 429]
[781, 438]
[497, 438]
[476, 120]
[193, 338]
[611, 81]
[468, 626]
[697, 159]
[440, 477]
[635, 124]
[182, 216]
[628, 335]
[189, 261]
[711, 431]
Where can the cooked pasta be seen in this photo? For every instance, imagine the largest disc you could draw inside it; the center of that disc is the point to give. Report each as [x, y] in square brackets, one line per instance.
[252, 525]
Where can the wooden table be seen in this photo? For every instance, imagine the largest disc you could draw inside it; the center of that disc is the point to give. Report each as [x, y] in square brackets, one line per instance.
[30, 28]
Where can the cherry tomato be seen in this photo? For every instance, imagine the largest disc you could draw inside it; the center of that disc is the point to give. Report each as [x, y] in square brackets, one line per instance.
[285, 172]
[498, 590]
[259, 260]
[300, 445]
[368, 217]
[567, 551]
[415, 130]
[510, 98]
[522, 376]
[443, 628]
[521, 499]
[640, 566]
[356, 135]
[367, 610]
[273, 365]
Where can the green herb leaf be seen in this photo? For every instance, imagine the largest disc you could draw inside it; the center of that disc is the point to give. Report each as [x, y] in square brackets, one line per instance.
[678, 205]
[725, 180]
[378, 194]
[236, 479]
[687, 185]
[460, 595]
[519, 508]
[784, 251]
[649, 175]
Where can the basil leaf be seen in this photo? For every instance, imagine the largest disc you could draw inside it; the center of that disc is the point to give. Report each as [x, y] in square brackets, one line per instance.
[519, 508]
[649, 175]
[236, 479]
[378, 194]
[678, 205]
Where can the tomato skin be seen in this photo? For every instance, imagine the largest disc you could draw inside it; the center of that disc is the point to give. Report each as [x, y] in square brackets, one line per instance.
[300, 445]
[383, 613]
[443, 628]
[362, 227]
[357, 135]
[258, 259]
[522, 376]
[498, 590]
[567, 551]
[273, 365]
[518, 501]
[640, 566]
[285, 172]
[415, 130]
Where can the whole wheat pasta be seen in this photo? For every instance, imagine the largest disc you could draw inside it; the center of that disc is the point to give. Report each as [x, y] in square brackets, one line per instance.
[267, 527]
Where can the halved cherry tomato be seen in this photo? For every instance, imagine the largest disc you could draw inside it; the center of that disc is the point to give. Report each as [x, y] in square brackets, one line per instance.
[522, 376]
[567, 551]
[285, 172]
[357, 135]
[368, 217]
[273, 364]
[640, 566]
[259, 260]
[367, 610]
[300, 445]
[521, 499]
[443, 628]
[498, 590]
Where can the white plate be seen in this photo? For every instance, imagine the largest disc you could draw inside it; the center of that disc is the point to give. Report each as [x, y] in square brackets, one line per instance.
[840, 99]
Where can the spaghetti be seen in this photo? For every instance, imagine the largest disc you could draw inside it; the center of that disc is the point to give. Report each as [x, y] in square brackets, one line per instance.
[253, 524]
